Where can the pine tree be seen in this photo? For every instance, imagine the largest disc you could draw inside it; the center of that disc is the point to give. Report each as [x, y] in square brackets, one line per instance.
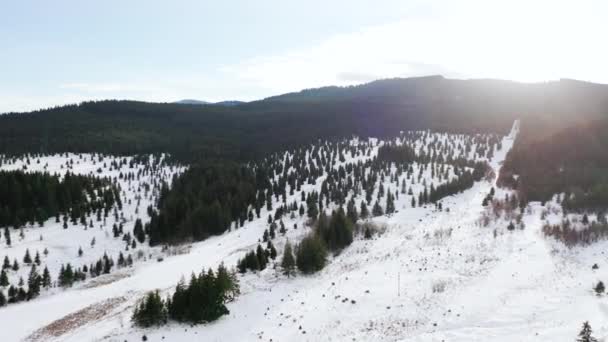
[351, 211]
[377, 210]
[585, 334]
[390, 203]
[37, 259]
[363, 212]
[511, 226]
[27, 259]
[272, 252]
[150, 311]
[7, 236]
[262, 258]
[311, 254]
[599, 288]
[33, 283]
[3, 279]
[138, 231]
[227, 283]
[273, 227]
[288, 262]
[46, 278]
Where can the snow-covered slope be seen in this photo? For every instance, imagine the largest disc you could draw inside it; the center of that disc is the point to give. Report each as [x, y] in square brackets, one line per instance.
[433, 275]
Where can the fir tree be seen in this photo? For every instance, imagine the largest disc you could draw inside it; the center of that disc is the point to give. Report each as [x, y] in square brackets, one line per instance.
[377, 210]
[46, 278]
[33, 283]
[3, 279]
[27, 259]
[311, 254]
[138, 231]
[7, 236]
[363, 212]
[288, 262]
[585, 334]
[599, 288]
[272, 252]
[150, 311]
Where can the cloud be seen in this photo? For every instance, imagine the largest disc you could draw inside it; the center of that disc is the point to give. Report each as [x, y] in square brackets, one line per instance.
[518, 40]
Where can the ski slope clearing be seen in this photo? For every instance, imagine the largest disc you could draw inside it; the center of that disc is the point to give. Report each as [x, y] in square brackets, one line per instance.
[430, 274]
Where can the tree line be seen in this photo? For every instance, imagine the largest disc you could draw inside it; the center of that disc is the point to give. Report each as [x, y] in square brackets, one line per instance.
[203, 299]
[36, 197]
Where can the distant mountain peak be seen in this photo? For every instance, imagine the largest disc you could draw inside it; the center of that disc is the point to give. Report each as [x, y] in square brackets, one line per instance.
[198, 102]
[192, 102]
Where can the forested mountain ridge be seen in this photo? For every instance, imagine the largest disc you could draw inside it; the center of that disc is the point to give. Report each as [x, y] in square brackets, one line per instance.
[574, 160]
[241, 132]
[226, 136]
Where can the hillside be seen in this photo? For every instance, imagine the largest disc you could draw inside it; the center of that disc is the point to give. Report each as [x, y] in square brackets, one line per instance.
[399, 185]
[379, 108]
[405, 200]
[572, 160]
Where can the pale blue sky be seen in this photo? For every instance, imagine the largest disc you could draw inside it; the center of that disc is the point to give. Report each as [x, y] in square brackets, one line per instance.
[64, 51]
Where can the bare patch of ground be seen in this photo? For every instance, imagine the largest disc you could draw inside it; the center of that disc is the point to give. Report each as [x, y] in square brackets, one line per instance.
[76, 319]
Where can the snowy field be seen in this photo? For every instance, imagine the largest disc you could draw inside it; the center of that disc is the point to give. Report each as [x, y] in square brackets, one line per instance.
[432, 275]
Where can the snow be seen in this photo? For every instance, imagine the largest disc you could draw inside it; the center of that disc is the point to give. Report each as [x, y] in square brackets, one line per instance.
[431, 276]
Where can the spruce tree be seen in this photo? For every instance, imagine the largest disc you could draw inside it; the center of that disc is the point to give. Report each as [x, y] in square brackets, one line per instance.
[46, 278]
[377, 210]
[27, 259]
[585, 334]
[33, 283]
[599, 288]
[272, 252]
[288, 262]
[262, 258]
[37, 259]
[7, 236]
[311, 255]
[3, 279]
[138, 231]
[363, 212]
[150, 311]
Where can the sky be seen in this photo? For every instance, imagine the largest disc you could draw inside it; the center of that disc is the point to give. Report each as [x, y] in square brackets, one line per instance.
[68, 51]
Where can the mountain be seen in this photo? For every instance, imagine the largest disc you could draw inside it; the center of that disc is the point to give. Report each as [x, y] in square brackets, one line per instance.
[476, 202]
[230, 103]
[191, 102]
[197, 102]
[383, 108]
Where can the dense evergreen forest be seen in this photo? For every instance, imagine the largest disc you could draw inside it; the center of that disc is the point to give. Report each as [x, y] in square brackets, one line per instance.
[573, 161]
[210, 200]
[217, 140]
[35, 197]
[381, 108]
